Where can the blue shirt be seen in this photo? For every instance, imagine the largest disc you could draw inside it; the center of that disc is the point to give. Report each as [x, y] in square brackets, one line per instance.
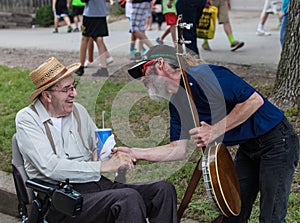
[285, 6]
[216, 90]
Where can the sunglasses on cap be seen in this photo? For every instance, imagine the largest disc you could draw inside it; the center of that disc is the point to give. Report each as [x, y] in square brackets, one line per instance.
[147, 64]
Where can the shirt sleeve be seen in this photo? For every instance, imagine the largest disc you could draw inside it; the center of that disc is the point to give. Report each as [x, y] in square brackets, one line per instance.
[234, 88]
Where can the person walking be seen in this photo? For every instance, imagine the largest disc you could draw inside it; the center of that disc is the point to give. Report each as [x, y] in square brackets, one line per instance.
[60, 10]
[170, 14]
[223, 18]
[137, 26]
[268, 8]
[94, 26]
[77, 12]
[191, 11]
[284, 15]
[157, 14]
[90, 57]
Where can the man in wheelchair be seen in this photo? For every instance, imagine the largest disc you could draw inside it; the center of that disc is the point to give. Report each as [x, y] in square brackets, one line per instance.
[56, 138]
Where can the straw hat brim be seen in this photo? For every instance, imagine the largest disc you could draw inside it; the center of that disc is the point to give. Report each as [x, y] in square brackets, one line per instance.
[70, 70]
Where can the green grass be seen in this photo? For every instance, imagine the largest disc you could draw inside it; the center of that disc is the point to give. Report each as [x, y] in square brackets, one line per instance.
[136, 120]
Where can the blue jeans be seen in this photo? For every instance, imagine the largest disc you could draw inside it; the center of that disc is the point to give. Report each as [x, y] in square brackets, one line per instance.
[283, 27]
[266, 165]
[191, 11]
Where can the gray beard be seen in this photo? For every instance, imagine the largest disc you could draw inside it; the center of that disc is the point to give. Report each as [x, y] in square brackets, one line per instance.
[158, 95]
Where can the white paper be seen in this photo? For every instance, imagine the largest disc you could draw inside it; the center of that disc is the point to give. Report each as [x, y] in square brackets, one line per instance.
[107, 147]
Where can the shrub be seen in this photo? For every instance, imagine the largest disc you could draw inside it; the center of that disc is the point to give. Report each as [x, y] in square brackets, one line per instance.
[44, 16]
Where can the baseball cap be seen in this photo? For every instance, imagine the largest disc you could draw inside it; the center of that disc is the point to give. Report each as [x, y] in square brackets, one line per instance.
[165, 51]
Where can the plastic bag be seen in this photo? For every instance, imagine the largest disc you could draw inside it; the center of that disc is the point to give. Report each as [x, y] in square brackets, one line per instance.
[207, 24]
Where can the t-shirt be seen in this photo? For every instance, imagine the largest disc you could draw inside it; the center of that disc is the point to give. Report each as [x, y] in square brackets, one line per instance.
[165, 8]
[95, 8]
[78, 3]
[216, 90]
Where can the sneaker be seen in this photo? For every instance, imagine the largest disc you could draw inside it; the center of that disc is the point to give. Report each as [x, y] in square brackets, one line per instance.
[69, 29]
[87, 63]
[136, 56]
[144, 51]
[236, 45]
[102, 72]
[159, 41]
[261, 32]
[80, 71]
[206, 47]
[109, 60]
[76, 30]
[132, 51]
[55, 30]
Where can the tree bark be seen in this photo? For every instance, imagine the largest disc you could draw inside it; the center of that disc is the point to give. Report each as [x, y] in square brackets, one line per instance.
[286, 89]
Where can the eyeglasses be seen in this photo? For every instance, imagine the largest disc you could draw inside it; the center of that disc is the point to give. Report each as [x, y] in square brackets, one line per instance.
[66, 90]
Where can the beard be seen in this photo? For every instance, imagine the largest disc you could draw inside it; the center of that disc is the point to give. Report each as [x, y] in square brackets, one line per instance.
[157, 90]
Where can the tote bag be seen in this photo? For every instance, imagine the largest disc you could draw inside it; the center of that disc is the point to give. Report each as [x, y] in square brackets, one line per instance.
[207, 24]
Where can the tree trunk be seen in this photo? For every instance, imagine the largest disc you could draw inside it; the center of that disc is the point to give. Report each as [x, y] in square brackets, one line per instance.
[286, 89]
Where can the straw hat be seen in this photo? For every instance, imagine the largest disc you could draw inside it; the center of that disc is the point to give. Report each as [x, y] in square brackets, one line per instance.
[48, 74]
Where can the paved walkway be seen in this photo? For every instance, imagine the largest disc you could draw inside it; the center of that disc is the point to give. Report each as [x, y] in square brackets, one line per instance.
[263, 51]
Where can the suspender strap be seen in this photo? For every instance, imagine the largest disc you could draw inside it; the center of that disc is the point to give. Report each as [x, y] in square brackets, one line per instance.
[48, 132]
[77, 117]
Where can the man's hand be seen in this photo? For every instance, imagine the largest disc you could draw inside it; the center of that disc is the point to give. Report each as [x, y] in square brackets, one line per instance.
[208, 3]
[202, 136]
[117, 160]
[169, 4]
[281, 14]
[129, 151]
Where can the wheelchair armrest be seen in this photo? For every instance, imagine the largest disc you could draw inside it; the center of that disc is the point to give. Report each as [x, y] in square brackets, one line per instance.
[41, 186]
[63, 198]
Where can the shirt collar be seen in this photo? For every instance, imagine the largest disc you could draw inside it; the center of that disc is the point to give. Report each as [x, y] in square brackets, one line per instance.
[42, 112]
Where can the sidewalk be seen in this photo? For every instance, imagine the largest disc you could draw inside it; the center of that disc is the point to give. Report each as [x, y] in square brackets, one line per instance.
[258, 51]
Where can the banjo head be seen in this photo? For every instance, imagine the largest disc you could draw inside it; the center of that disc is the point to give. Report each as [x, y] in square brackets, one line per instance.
[224, 180]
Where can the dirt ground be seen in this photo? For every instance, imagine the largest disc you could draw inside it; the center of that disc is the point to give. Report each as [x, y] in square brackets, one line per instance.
[30, 59]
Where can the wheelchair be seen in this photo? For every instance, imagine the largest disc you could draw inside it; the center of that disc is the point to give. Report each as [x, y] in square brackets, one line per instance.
[40, 195]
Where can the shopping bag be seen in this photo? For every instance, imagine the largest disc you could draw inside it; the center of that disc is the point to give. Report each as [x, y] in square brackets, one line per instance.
[207, 24]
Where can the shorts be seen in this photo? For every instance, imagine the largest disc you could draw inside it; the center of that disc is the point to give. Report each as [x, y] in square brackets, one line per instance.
[222, 10]
[60, 15]
[149, 12]
[272, 6]
[138, 16]
[94, 27]
[77, 10]
[171, 18]
[61, 9]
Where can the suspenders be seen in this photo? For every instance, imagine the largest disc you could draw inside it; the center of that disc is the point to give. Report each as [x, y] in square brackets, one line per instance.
[48, 132]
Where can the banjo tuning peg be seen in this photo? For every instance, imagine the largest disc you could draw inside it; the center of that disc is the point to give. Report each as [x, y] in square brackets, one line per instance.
[185, 25]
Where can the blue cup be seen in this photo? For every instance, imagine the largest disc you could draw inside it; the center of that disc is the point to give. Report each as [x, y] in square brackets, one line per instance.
[101, 137]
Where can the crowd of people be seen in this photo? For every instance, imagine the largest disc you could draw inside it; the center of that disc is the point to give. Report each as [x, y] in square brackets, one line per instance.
[229, 111]
[140, 14]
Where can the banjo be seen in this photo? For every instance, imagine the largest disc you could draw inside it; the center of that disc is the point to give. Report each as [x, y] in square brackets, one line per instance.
[216, 164]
